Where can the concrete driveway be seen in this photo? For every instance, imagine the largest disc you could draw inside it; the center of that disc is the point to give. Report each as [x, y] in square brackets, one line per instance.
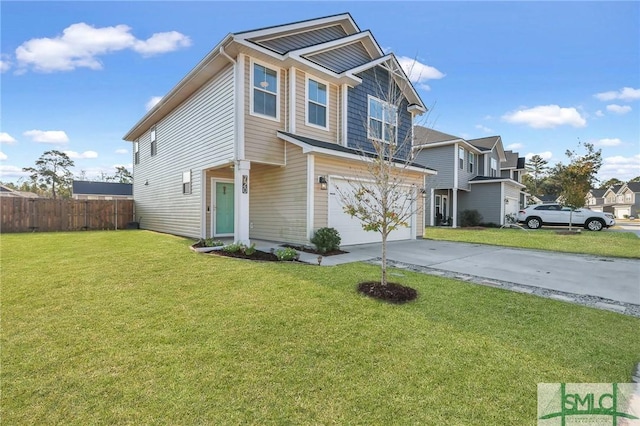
[609, 278]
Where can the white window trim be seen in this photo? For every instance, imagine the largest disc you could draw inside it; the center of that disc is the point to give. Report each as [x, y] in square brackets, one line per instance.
[471, 161]
[493, 172]
[136, 152]
[252, 88]
[384, 103]
[186, 178]
[153, 134]
[307, 100]
[461, 154]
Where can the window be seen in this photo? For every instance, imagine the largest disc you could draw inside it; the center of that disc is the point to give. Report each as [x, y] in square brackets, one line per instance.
[383, 121]
[461, 158]
[186, 182]
[470, 162]
[494, 167]
[627, 197]
[154, 146]
[265, 91]
[316, 103]
[136, 153]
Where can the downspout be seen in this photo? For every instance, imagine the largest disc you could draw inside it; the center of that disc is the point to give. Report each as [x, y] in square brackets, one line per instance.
[223, 53]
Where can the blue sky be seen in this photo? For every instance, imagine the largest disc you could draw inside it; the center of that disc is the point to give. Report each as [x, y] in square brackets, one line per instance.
[76, 76]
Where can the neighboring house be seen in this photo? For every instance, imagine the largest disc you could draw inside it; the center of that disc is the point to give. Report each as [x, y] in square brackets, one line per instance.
[622, 200]
[544, 199]
[87, 190]
[8, 192]
[473, 174]
[595, 200]
[255, 140]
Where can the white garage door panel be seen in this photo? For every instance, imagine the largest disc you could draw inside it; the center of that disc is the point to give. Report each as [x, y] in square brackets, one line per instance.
[350, 228]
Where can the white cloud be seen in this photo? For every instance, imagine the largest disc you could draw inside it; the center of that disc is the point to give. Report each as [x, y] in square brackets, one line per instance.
[7, 138]
[47, 136]
[80, 45]
[546, 116]
[546, 155]
[419, 73]
[618, 109]
[152, 102]
[623, 168]
[608, 142]
[514, 146]
[77, 155]
[599, 113]
[3, 156]
[484, 128]
[625, 94]
[5, 64]
[122, 151]
[11, 172]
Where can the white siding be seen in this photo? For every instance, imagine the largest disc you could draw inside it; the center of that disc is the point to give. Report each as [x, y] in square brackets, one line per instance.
[195, 136]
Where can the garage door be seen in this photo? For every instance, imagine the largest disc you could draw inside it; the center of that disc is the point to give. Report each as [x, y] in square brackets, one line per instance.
[350, 228]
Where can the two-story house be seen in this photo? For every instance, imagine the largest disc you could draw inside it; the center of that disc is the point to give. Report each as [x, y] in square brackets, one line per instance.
[622, 201]
[256, 140]
[595, 199]
[473, 174]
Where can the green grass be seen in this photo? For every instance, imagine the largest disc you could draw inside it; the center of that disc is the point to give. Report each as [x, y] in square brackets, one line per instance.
[611, 244]
[131, 327]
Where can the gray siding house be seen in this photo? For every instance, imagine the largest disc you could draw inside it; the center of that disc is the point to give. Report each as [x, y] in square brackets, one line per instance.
[256, 141]
[622, 201]
[473, 174]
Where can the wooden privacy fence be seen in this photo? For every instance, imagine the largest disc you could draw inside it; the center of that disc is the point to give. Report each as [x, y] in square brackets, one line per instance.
[37, 214]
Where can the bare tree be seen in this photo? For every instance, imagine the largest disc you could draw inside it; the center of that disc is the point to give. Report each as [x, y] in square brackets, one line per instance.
[383, 197]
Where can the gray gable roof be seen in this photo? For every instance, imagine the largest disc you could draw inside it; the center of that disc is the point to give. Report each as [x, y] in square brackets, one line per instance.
[597, 193]
[634, 186]
[424, 135]
[484, 143]
[101, 188]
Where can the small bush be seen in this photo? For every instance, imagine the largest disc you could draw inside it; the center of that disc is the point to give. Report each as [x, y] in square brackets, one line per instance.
[470, 218]
[250, 250]
[235, 248]
[286, 254]
[326, 239]
[210, 242]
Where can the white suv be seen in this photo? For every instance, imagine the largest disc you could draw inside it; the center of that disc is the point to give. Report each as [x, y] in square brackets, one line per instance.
[554, 214]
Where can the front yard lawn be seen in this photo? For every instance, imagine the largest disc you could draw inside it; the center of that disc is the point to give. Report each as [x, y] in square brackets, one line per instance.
[131, 327]
[610, 244]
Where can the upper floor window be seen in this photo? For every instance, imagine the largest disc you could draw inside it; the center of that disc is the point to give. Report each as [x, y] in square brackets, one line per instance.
[154, 144]
[316, 103]
[470, 162]
[264, 96]
[136, 153]
[627, 197]
[494, 167]
[461, 158]
[383, 121]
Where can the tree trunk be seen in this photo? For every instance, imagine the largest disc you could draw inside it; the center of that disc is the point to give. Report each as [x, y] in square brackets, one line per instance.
[383, 281]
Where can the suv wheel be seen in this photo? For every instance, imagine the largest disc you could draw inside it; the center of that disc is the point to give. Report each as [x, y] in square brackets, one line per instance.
[594, 225]
[534, 223]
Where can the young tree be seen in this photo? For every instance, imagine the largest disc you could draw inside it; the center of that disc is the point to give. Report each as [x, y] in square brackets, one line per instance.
[537, 169]
[383, 198]
[579, 176]
[52, 171]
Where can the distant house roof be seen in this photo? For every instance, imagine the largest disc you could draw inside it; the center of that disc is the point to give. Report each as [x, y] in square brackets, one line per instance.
[513, 161]
[485, 143]
[8, 192]
[634, 186]
[102, 188]
[597, 193]
[425, 136]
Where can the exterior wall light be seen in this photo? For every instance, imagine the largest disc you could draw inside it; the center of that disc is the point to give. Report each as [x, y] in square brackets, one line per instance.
[323, 183]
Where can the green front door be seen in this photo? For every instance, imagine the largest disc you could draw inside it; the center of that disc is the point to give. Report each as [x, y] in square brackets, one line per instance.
[224, 208]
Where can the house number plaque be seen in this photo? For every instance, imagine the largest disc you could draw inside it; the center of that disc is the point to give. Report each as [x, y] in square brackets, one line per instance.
[245, 184]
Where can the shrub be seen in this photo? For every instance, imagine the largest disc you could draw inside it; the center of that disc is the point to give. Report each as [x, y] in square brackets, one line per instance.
[210, 242]
[286, 253]
[233, 248]
[326, 239]
[470, 218]
[250, 250]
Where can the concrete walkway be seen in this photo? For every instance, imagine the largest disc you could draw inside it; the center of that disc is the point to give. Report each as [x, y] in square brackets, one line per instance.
[609, 278]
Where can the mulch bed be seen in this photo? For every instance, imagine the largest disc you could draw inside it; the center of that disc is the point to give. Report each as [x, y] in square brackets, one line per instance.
[392, 292]
[314, 251]
[258, 255]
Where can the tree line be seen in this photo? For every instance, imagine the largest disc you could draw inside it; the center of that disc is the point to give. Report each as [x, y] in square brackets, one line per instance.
[571, 181]
[51, 176]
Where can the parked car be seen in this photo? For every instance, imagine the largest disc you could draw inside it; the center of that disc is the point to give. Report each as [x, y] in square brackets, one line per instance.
[536, 215]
